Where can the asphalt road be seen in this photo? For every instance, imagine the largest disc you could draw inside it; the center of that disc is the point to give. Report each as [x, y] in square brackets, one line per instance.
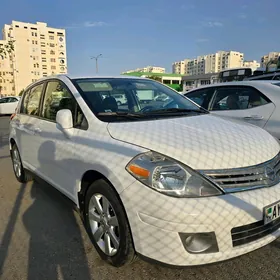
[42, 237]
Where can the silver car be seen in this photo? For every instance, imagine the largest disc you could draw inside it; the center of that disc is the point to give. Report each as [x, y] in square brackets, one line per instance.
[256, 102]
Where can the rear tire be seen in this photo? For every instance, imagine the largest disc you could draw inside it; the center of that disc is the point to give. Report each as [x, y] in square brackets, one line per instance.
[107, 224]
[22, 175]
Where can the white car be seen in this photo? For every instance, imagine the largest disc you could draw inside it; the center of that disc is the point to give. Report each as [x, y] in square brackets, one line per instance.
[171, 183]
[256, 102]
[8, 105]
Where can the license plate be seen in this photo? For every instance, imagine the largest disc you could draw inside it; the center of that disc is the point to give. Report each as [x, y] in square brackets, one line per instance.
[271, 212]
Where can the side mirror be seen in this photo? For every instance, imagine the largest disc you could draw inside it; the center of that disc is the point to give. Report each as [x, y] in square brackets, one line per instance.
[64, 121]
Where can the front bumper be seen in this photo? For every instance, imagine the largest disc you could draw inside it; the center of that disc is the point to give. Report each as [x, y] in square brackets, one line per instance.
[156, 221]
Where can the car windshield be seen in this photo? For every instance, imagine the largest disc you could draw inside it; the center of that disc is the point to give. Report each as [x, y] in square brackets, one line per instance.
[129, 99]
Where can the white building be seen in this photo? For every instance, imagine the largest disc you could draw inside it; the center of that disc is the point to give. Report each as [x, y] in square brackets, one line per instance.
[253, 64]
[148, 69]
[270, 56]
[210, 63]
[179, 67]
[39, 51]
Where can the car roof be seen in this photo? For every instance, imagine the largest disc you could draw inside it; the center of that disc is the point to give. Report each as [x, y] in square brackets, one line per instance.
[237, 83]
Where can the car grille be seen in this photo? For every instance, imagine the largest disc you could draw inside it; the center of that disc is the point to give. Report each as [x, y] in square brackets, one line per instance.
[240, 179]
[248, 233]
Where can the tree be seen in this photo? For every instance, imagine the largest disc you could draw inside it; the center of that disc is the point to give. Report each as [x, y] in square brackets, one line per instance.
[156, 78]
[7, 49]
[21, 92]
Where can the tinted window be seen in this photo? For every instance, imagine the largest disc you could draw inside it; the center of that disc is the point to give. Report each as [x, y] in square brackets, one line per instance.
[33, 102]
[4, 100]
[237, 98]
[58, 97]
[23, 109]
[202, 97]
[12, 99]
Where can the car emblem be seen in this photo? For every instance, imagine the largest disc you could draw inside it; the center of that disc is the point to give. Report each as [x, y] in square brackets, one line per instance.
[270, 173]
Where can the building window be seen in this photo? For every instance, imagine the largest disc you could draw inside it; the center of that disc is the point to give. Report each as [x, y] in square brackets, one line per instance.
[44, 67]
[51, 37]
[52, 59]
[52, 52]
[53, 67]
[17, 26]
[43, 52]
[52, 45]
[45, 74]
[44, 59]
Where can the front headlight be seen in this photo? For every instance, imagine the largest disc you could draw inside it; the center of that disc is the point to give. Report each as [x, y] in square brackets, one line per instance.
[170, 177]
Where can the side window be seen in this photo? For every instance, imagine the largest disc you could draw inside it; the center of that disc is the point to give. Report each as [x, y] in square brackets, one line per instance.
[3, 100]
[202, 96]
[57, 97]
[237, 98]
[33, 102]
[12, 99]
[23, 109]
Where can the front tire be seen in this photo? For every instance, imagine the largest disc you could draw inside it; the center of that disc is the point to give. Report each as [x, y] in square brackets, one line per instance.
[107, 224]
[22, 175]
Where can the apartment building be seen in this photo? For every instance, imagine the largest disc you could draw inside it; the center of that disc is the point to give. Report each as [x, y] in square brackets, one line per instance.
[270, 56]
[179, 67]
[39, 51]
[252, 64]
[210, 63]
[148, 69]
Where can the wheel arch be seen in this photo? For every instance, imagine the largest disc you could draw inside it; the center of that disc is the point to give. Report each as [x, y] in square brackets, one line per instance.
[11, 143]
[88, 178]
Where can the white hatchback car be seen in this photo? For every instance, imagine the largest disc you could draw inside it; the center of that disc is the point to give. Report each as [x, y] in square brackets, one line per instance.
[8, 105]
[170, 182]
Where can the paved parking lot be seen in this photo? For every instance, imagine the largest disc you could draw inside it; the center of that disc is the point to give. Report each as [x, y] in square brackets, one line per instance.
[42, 237]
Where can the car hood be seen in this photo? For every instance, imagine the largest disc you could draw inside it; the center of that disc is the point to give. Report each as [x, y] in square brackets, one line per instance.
[201, 142]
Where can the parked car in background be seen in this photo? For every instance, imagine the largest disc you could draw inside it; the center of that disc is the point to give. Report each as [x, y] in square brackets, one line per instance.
[8, 105]
[256, 102]
[167, 181]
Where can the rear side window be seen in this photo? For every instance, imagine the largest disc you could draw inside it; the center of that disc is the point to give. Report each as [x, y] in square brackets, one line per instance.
[34, 100]
[31, 101]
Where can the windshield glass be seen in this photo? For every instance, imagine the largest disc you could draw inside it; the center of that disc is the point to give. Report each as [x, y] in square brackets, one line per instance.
[125, 99]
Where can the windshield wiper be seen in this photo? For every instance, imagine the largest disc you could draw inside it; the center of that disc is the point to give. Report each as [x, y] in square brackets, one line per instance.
[177, 110]
[120, 114]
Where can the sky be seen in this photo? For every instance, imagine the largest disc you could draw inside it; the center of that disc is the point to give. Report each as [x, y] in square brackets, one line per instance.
[132, 34]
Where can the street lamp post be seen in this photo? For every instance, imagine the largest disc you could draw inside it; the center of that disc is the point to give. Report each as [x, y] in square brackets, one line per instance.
[96, 61]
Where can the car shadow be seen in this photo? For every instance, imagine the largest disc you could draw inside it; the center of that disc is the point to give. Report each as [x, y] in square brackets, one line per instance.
[55, 244]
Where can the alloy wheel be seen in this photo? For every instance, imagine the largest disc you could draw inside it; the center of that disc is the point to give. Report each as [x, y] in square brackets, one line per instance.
[104, 224]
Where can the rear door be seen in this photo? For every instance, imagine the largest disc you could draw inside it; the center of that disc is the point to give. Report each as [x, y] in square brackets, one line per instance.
[244, 103]
[27, 126]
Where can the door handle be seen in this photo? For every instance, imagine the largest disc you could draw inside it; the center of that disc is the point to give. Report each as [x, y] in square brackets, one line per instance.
[253, 117]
